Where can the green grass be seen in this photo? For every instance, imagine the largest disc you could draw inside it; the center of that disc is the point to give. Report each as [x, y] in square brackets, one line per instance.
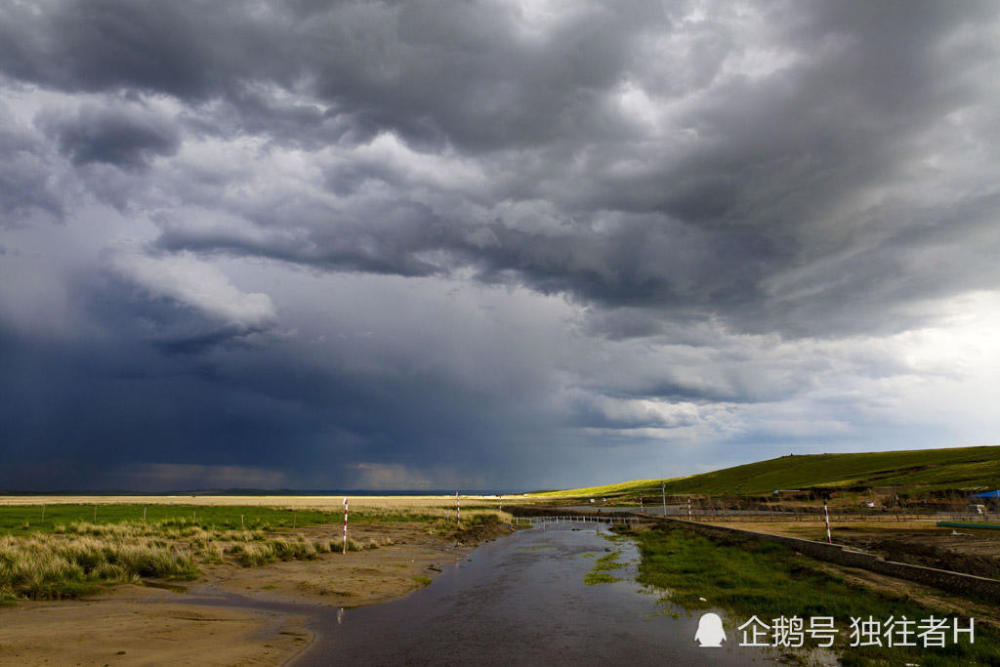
[769, 580]
[597, 578]
[608, 562]
[28, 519]
[952, 468]
[603, 490]
[599, 574]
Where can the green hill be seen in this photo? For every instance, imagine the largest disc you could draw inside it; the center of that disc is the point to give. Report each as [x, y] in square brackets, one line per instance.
[968, 468]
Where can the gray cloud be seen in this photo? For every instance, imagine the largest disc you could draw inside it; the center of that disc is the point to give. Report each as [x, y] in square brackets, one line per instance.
[709, 223]
[27, 189]
[121, 137]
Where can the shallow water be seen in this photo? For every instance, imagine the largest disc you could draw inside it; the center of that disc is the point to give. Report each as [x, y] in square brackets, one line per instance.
[520, 600]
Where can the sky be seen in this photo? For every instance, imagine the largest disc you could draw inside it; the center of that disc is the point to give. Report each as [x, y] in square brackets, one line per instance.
[536, 244]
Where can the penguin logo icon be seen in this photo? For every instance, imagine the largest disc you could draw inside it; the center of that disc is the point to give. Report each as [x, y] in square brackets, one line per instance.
[710, 633]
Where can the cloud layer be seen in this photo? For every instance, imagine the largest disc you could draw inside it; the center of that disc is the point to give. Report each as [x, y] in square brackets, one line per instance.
[521, 244]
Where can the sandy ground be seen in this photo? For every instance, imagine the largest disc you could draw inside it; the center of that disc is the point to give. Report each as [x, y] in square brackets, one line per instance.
[143, 625]
[351, 580]
[815, 529]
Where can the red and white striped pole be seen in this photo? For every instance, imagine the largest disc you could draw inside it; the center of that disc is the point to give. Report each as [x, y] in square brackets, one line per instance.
[345, 526]
[458, 510]
[826, 515]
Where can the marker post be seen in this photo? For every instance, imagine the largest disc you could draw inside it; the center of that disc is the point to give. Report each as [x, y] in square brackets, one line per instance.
[345, 526]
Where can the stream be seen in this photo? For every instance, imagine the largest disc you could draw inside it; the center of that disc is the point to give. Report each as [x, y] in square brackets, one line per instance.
[519, 600]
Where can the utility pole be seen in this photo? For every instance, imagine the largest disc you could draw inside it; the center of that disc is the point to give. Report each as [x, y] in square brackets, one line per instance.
[663, 492]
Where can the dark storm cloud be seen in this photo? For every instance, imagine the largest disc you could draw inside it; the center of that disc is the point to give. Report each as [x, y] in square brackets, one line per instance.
[756, 176]
[114, 136]
[92, 46]
[167, 324]
[703, 184]
[119, 404]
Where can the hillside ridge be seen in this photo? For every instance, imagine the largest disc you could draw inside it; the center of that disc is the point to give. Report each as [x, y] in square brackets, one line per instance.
[964, 468]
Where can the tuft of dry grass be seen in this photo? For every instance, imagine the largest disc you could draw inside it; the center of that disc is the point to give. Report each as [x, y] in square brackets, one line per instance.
[257, 554]
[47, 566]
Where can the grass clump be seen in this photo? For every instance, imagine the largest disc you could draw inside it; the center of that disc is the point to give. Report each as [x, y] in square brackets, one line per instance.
[475, 527]
[53, 568]
[596, 578]
[337, 545]
[599, 574]
[608, 562]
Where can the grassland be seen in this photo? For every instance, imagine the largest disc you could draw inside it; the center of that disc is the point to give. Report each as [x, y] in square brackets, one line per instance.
[768, 580]
[427, 504]
[60, 550]
[29, 519]
[967, 468]
[271, 548]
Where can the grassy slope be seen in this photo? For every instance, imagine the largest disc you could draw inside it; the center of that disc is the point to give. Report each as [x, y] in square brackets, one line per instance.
[958, 467]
